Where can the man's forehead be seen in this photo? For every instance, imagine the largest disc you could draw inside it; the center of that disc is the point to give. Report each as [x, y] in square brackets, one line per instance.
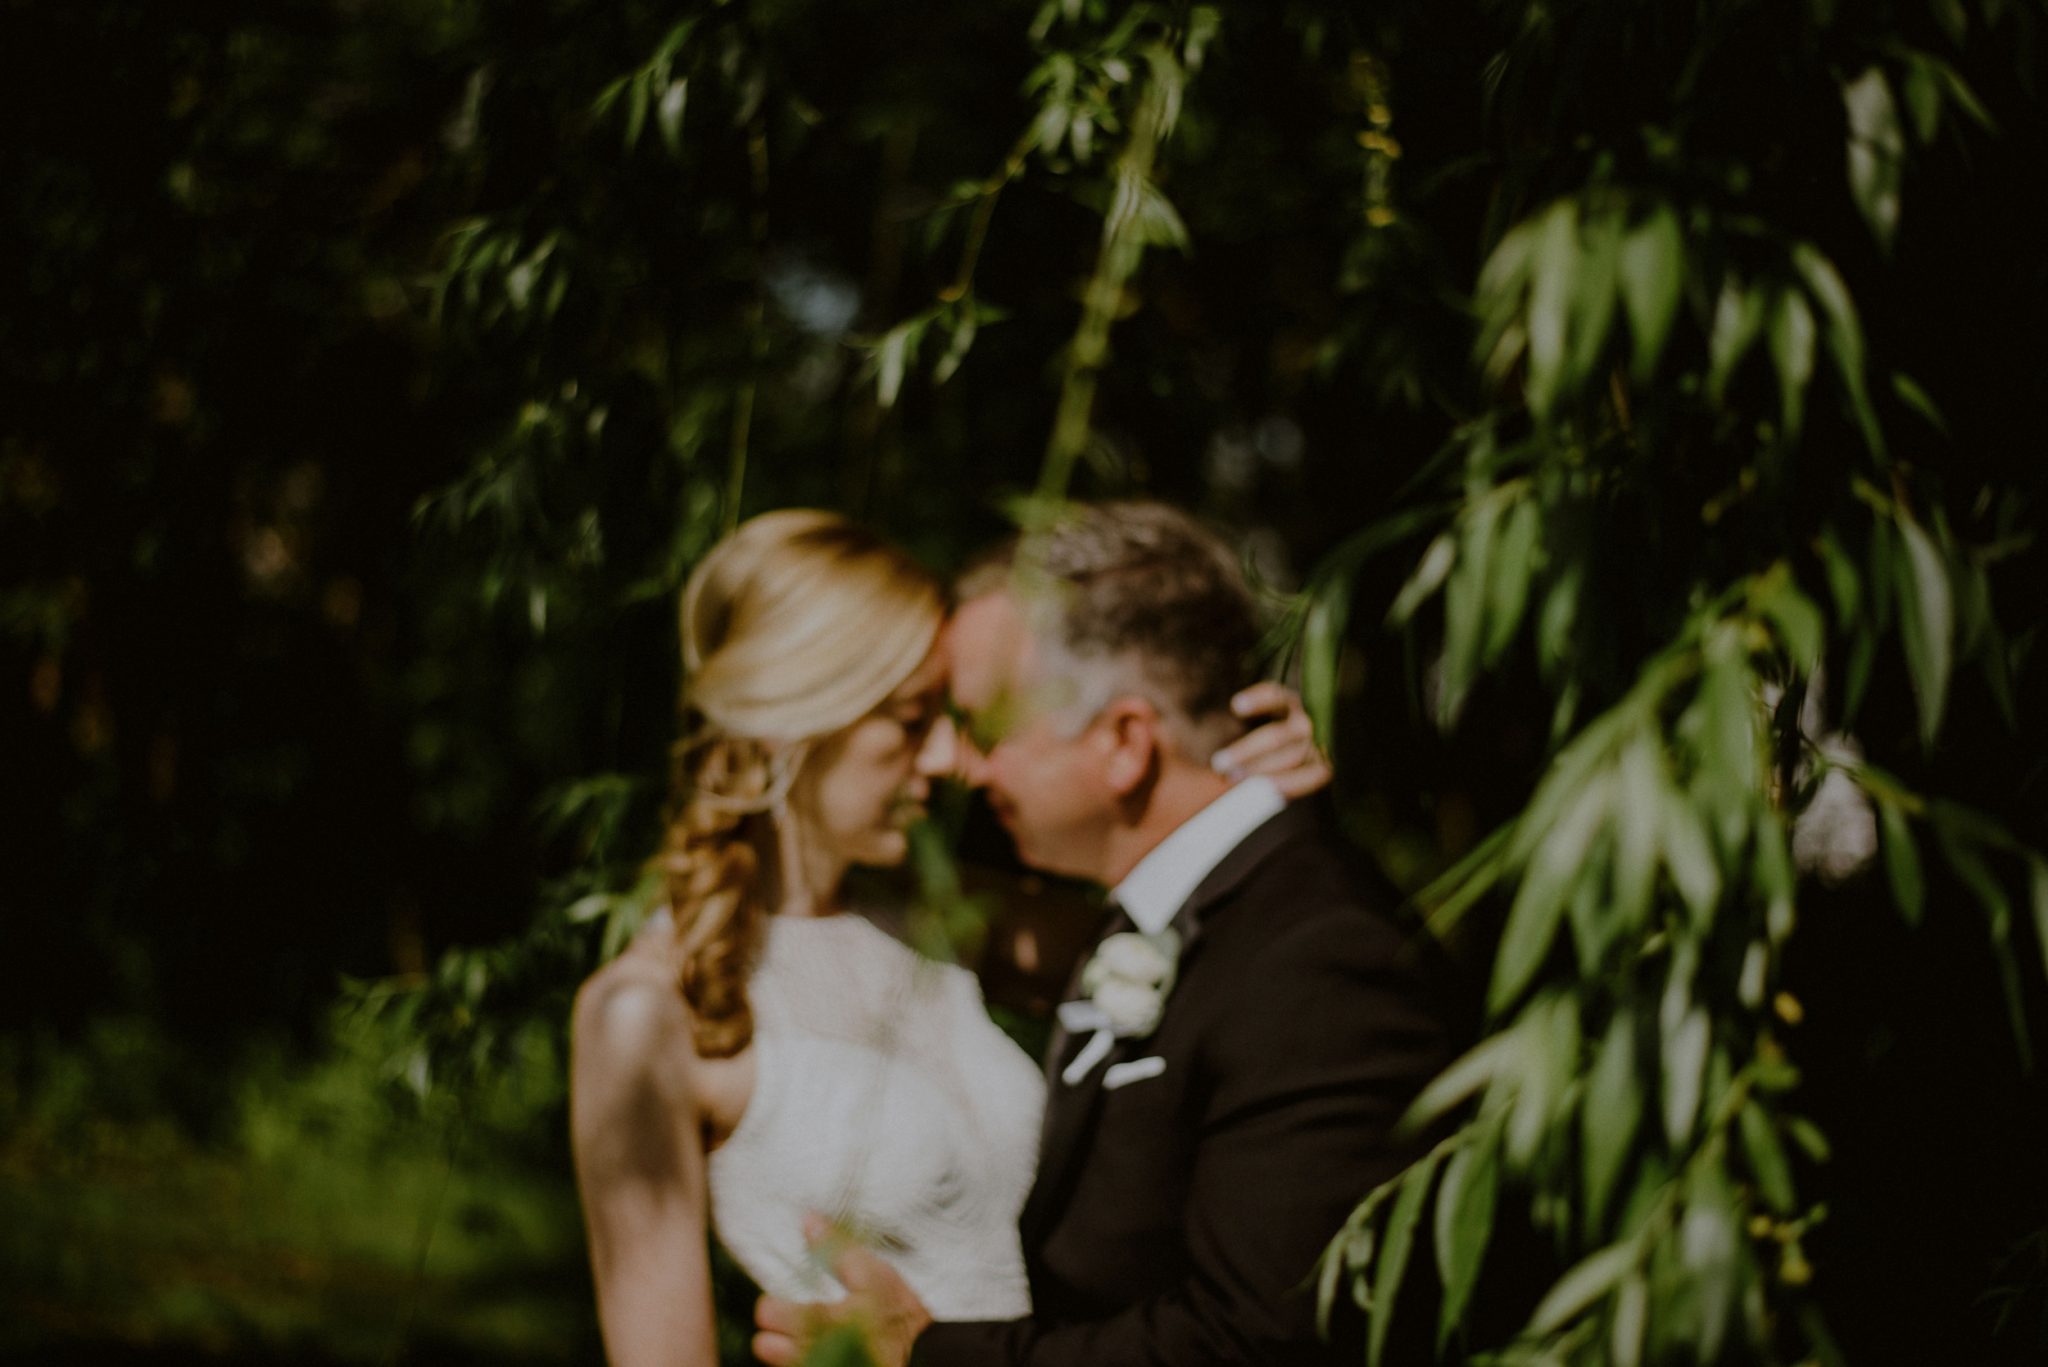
[989, 641]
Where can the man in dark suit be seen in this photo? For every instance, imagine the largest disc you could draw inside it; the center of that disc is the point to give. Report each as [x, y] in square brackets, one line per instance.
[1225, 1083]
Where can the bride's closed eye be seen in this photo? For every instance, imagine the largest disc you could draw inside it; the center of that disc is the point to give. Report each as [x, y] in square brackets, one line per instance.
[916, 716]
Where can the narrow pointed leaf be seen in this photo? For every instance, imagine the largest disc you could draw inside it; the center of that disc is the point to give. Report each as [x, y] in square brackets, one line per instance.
[2038, 891]
[1902, 862]
[1738, 318]
[1792, 342]
[1685, 1063]
[1395, 1245]
[1876, 152]
[1464, 1225]
[1926, 622]
[1533, 920]
[1578, 1289]
[1843, 334]
[1766, 1158]
[1652, 272]
[1322, 649]
[1613, 1109]
[1513, 567]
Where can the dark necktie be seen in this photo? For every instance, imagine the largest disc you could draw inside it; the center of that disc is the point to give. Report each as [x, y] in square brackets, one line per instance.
[1061, 1048]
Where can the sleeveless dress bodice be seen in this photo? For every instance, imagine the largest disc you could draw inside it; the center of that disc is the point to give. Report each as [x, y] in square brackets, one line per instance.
[885, 1099]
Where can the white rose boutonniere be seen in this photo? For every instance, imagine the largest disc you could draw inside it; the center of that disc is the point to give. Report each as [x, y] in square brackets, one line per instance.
[1129, 977]
[1126, 980]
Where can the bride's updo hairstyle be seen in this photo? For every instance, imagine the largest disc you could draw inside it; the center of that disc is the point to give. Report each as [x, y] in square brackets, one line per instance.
[794, 627]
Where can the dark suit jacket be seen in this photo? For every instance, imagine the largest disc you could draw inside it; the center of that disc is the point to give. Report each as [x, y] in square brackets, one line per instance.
[1176, 1221]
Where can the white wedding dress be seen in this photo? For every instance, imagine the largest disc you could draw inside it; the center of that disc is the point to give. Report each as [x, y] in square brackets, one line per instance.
[886, 1099]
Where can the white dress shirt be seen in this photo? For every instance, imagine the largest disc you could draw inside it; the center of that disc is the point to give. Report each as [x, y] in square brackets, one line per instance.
[1162, 881]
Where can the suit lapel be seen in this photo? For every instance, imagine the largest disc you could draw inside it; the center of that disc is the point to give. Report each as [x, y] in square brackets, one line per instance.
[1071, 1109]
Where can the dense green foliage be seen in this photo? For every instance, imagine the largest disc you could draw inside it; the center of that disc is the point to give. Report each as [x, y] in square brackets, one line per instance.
[373, 373]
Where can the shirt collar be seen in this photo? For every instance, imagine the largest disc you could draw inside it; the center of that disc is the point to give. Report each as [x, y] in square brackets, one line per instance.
[1154, 890]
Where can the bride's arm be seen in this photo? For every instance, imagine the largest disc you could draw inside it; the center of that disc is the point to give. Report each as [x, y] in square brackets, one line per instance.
[635, 1123]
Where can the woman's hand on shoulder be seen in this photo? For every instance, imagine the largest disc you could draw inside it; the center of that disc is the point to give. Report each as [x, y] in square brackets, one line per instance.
[1282, 748]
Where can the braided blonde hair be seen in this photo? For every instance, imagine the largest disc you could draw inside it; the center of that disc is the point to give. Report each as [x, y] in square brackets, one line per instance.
[794, 627]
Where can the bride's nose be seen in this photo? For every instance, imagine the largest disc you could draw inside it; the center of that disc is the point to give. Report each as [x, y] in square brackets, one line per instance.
[940, 755]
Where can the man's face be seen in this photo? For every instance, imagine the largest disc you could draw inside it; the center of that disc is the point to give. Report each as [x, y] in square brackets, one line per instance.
[1046, 786]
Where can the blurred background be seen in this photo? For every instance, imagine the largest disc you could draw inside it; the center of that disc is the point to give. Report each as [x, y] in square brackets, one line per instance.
[373, 371]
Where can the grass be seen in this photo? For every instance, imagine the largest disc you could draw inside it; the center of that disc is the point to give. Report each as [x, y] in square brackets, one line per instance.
[312, 1220]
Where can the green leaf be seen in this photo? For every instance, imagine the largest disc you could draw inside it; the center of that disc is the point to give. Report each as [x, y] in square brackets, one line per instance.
[957, 348]
[1919, 400]
[1641, 783]
[1591, 911]
[1708, 1249]
[1396, 1242]
[1539, 903]
[1553, 274]
[1556, 619]
[669, 115]
[1766, 1158]
[1877, 151]
[1774, 877]
[1322, 647]
[1845, 581]
[1612, 1111]
[1464, 1224]
[1685, 1064]
[1738, 319]
[1976, 875]
[1689, 853]
[1926, 622]
[1476, 1069]
[1960, 95]
[1578, 1289]
[1503, 281]
[1902, 862]
[2038, 890]
[1922, 90]
[1844, 335]
[1548, 1063]
[636, 109]
[1513, 568]
[892, 359]
[1430, 573]
[1592, 315]
[1465, 610]
[1797, 620]
[1792, 341]
[1956, 829]
[1652, 269]
[1808, 1137]
[1631, 1318]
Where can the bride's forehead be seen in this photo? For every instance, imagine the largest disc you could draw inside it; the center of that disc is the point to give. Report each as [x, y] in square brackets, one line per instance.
[928, 677]
[987, 639]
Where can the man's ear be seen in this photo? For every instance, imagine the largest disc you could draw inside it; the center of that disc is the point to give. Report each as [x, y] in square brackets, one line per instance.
[1130, 731]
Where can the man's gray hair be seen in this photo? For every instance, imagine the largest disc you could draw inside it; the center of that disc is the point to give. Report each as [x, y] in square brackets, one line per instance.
[1134, 598]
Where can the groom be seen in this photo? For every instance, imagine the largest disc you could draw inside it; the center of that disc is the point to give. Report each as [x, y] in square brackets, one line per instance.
[1224, 1087]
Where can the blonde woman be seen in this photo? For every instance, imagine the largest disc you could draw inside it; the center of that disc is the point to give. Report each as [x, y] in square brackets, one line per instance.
[756, 1055]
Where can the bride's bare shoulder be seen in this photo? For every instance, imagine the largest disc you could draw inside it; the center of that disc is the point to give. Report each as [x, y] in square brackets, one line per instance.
[630, 1015]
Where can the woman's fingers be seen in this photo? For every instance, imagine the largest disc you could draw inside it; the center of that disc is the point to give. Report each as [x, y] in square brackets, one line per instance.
[1283, 749]
[1265, 699]
[777, 1316]
[777, 1350]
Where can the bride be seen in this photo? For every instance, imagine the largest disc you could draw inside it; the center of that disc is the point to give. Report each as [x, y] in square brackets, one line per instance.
[755, 1054]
